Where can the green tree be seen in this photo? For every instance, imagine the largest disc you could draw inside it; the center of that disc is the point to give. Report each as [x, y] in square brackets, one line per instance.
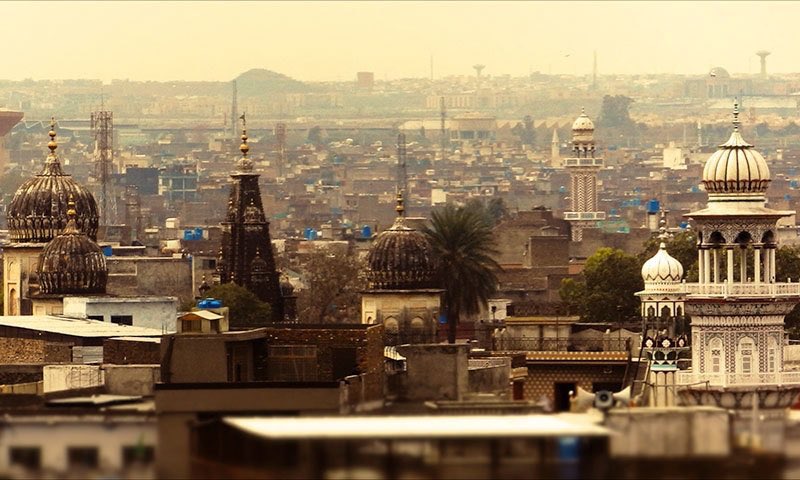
[334, 281]
[787, 260]
[682, 246]
[609, 280]
[464, 245]
[615, 111]
[245, 308]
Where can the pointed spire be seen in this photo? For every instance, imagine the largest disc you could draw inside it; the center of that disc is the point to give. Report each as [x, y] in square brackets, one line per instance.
[401, 205]
[52, 165]
[736, 122]
[662, 231]
[71, 228]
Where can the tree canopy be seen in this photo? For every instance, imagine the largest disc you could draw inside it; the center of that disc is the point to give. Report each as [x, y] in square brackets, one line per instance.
[463, 244]
[605, 290]
[615, 111]
[334, 282]
[245, 309]
[682, 246]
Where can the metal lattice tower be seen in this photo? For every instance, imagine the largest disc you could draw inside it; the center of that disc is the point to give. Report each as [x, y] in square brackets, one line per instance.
[102, 125]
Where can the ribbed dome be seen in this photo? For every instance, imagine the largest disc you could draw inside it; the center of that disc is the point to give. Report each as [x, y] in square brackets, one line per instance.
[72, 263]
[583, 123]
[38, 211]
[662, 267]
[401, 259]
[736, 167]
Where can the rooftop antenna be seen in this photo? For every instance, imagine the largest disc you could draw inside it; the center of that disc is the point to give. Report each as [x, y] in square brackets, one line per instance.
[443, 131]
[402, 172]
[234, 111]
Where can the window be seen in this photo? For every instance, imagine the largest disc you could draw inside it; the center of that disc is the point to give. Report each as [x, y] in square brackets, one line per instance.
[82, 457]
[122, 319]
[772, 354]
[716, 354]
[208, 263]
[292, 363]
[747, 350]
[99, 318]
[29, 458]
[133, 455]
[651, 311]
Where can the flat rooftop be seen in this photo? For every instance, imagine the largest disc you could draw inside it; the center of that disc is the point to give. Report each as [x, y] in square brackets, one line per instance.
[76, 327]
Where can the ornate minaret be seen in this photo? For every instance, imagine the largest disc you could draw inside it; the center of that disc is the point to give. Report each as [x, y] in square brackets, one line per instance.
[737, 306]
[246, 254]
[583, 168]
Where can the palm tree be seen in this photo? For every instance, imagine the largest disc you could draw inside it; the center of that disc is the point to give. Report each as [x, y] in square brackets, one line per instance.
[463, 244]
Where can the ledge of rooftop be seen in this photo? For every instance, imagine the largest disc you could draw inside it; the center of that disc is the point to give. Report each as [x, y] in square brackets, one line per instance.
[758, 291]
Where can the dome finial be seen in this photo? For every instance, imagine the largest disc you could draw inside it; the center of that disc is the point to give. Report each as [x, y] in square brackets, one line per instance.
[71, 226]
[244, 164]
[736, 122]
[52, 145]
[244, 148]
[662, 230]
[401, 205]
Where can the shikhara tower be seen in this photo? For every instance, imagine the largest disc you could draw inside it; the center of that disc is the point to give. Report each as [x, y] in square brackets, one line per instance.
[583, 168]
[737, 307]
[246, 252]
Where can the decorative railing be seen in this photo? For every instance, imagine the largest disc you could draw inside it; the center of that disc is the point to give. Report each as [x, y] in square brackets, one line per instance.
[743, 289]
[687, 378]
[583, 162]
[584, 215]
[526, 344]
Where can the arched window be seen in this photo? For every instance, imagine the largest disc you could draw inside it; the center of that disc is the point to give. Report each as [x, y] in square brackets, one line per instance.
[678, 311]
[391, 326]
[772, 355]
[12, 302]
[651, 311]
[747, 356]
[665, 312]
[417, 330]
[716, 353]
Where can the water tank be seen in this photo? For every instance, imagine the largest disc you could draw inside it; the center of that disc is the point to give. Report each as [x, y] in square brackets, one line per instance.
[653, 206]
[188, 234]
[366, 231]
[107, 250]
[173, 222]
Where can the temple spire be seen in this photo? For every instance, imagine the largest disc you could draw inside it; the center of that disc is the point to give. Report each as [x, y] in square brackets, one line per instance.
[736, 121]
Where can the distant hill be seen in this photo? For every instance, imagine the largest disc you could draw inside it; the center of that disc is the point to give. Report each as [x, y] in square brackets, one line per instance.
[260, 81]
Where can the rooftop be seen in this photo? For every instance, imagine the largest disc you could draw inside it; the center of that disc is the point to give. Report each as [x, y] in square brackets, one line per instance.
[76, 327]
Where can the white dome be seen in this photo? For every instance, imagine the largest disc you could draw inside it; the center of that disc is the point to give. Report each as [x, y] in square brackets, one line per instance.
[662, 267]
[582, 123]
[736, 167]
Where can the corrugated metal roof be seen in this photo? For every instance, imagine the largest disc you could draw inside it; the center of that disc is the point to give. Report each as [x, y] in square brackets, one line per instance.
[76, 327]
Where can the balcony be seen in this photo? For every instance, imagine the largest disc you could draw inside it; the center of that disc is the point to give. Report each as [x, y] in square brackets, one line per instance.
[590, 216]
[687, 378]
[744, 289]
[583, 162]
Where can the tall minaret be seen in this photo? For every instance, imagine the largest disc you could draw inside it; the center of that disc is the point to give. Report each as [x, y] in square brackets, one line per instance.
[555, 150]
[738, 304]
[246, 254]
[583, 168]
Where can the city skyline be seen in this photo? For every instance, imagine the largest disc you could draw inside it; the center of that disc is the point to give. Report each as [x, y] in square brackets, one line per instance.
[330, 41]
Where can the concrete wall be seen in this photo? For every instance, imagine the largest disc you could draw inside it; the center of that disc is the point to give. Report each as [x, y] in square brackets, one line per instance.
[158, 313]
[162, 276]
[542, 377]
[490, 376]
[126, 352]
[131, 379]
[676, 432]
[194, 359]
[69, 377]
[436, 372]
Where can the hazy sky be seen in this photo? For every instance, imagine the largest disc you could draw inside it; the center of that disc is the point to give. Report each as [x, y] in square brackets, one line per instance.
[333, 40]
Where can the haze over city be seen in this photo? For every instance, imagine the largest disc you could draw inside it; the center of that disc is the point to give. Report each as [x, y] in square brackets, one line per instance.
[316, 41]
